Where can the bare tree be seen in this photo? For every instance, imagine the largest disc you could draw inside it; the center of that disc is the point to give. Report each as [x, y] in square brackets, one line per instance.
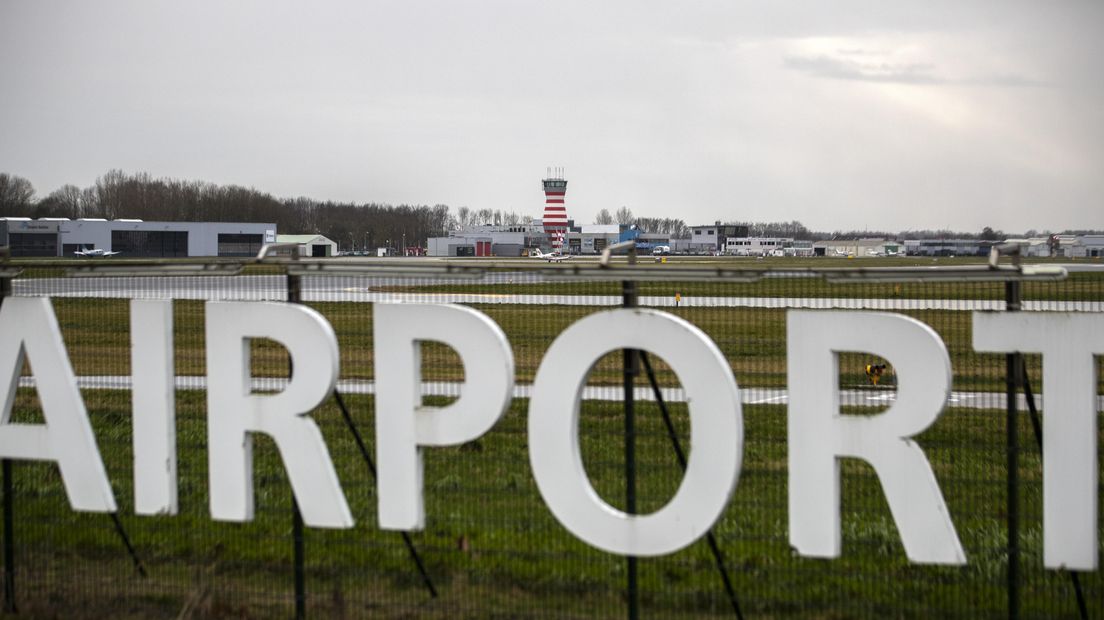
[109, 194]
[675, 228]
[603, 217]
[90, 202]
[441, 222]
[988, 234]
[65, 201]
[625, 216]
[16, 195]
[794, 229]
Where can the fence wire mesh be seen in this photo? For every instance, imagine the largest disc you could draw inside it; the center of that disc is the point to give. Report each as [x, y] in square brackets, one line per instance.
[491, 547]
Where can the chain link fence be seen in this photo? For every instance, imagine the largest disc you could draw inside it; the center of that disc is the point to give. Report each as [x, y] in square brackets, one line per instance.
[491, 547]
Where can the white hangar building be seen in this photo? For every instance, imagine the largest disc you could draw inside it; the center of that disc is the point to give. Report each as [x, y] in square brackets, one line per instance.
[133, 238]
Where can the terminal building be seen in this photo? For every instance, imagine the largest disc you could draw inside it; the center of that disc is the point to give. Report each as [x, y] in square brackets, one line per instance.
[759, 246]
[490, 241]
[710, 239]
[49, 237]
[514, 241]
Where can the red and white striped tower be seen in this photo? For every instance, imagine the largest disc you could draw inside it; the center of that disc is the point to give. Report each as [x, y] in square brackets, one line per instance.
[555, 213]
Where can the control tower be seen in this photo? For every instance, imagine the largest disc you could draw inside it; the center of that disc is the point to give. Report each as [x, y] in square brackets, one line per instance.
[555, 213]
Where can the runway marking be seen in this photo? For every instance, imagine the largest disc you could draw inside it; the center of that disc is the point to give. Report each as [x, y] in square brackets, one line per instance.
[608, 393]
[882, 397]
[761, 401]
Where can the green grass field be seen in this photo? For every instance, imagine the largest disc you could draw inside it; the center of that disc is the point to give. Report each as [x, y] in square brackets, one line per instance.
[752, 339]
[491, 546]
[1077, 287]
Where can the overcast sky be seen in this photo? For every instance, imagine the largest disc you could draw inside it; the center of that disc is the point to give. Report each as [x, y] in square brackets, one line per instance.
[879, 115]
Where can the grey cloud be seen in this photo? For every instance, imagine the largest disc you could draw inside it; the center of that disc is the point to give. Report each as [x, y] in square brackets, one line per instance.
[862, 52]
[825, 66]
[913, 73]
[466, 103]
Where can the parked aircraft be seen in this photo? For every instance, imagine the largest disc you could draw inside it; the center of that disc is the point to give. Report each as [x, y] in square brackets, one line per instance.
[95, 253]
[882, 252]
[552, 257]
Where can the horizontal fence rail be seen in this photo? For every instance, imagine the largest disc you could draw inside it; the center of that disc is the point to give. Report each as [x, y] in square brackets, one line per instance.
[491, 546]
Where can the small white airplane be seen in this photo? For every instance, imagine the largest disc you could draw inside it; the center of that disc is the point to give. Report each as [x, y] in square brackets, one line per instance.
[95, 253]
[552, 257]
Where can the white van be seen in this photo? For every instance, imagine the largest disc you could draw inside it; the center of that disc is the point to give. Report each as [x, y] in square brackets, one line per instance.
[661, 250]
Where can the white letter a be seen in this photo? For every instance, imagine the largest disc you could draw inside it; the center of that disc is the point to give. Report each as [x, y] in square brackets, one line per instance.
[28, 328]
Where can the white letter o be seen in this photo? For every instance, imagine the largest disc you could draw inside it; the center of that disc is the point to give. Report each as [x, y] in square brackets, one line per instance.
[716, 432]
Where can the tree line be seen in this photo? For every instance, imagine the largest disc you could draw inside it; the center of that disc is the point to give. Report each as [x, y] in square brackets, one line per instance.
[119, 195]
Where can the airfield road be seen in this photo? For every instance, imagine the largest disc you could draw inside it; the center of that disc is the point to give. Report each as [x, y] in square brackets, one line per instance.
[865, 397]
[368, 289]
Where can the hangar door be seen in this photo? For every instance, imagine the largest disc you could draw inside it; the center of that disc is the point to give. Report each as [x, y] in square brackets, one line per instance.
[150, 243]
[33, 244]
[239, 244]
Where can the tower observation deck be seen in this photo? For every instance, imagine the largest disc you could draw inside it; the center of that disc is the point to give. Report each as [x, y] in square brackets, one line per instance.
[555, 213]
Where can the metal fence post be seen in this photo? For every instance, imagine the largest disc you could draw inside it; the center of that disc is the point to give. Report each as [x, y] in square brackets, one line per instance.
[1013, 294]
[295, 296]
[629, 359]
[9, 505]
[9, 543]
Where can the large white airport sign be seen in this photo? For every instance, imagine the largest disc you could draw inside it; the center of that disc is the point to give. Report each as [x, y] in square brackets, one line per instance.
[819, 434]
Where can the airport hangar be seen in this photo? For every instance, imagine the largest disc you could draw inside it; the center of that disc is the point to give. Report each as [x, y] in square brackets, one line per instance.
[52, 237]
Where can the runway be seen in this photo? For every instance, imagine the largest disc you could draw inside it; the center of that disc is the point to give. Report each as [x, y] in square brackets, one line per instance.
[873, 398]
[367, 290]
